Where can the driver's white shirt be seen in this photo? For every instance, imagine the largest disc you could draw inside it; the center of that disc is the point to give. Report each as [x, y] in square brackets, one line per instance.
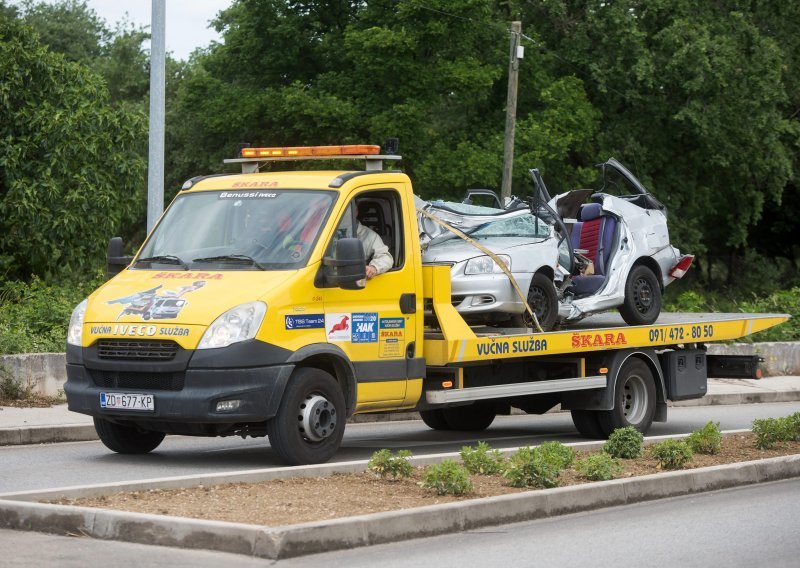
[374, 248]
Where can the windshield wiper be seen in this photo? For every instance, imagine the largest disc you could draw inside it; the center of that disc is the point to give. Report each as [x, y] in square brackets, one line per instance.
[238, 258]
[164, 259]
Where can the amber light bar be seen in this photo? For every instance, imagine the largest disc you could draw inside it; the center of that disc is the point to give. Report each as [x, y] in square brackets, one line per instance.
[300, 151]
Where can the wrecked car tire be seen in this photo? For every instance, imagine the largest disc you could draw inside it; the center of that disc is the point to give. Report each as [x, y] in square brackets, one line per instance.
[642, 304]
[543, 300]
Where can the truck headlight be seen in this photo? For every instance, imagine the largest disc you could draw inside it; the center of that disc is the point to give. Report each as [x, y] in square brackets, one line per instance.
[237, 324]
[75, 330]
[485, 265]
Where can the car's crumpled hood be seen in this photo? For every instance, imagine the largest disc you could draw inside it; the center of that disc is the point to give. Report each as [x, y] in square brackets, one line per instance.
[457, 250]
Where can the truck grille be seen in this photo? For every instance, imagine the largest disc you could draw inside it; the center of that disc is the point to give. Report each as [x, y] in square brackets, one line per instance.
[137, 380]
[137, 349]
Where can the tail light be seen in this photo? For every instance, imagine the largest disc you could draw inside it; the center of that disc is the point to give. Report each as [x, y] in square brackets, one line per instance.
[683, 265]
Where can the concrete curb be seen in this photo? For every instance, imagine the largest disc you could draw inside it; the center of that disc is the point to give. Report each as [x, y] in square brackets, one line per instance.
[46, 434]
[365, 530]
[86, 432]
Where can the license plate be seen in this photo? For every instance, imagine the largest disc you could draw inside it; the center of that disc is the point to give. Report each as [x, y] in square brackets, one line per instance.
[124, 401]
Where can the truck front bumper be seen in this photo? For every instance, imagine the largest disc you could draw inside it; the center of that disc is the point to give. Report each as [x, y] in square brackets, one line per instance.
[258, 390]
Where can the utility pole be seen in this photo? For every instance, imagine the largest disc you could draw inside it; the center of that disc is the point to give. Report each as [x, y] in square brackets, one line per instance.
[155, 160]
[511, 108]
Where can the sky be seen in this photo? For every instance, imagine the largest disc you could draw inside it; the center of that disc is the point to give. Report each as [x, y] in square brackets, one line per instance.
[187, 20]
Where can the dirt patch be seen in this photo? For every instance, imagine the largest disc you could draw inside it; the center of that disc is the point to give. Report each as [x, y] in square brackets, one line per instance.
[32, 401]
[298, 500]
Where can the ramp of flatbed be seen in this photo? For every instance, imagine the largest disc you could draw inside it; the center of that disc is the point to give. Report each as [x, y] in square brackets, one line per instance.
[595, 333]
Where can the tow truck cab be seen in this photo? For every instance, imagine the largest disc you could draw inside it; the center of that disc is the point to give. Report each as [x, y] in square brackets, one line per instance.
[246, 281]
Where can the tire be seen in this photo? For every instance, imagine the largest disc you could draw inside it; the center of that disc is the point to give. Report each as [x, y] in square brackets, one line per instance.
[472, 418]
[642, 304]
[127, 439]
[587, 423]
[543, 300]
[309, 425]
[434, 419]
[634, 399]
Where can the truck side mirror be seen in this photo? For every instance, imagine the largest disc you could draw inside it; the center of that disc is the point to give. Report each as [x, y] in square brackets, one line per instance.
[115, 261]
[347, 269]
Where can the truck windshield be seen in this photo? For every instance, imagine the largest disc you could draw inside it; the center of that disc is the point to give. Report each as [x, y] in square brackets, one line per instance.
[238, 230]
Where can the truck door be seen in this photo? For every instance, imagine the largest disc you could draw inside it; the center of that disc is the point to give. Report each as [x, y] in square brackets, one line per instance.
[375, 325]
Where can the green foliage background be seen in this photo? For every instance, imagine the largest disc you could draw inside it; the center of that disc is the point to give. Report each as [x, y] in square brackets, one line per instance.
[700, 100]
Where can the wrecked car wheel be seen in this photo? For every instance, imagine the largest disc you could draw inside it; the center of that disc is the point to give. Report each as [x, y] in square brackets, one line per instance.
[642, 297]
[543, 300]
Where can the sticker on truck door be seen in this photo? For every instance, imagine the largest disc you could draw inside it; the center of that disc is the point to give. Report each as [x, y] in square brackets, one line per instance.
[391, 337]
[338, 327]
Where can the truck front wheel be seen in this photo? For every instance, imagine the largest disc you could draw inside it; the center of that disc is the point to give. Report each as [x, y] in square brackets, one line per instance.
[634, 399]
[126, 439]
[309, 425]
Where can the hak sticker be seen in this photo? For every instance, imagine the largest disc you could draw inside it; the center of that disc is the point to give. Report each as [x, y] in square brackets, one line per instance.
[365, 328]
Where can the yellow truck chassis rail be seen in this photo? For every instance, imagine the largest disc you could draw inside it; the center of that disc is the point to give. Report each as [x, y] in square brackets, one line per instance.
[457, 343]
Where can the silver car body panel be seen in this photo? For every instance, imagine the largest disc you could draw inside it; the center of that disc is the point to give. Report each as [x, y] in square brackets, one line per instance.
[641, 233]
[487, 293]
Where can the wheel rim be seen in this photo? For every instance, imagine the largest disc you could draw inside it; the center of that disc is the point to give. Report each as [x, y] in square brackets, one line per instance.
[317, 418]
[643, 295]
[634, 399]
[537, 300]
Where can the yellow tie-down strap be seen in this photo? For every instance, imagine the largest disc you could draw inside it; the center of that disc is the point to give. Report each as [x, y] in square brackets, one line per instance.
[693, 328]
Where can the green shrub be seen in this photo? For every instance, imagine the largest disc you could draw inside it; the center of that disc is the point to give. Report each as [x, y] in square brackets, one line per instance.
[558, 453]
[447, 478]
[770, 431]
[598, 467]
[624, 443]
[11, 389]
[706, 440]
[793, 425]
[35, 315]
[671, 454]
[531, 467]
[384, 464]
[482, 459]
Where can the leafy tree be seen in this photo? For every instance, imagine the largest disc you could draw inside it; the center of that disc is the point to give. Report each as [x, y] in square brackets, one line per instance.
[432, 75]
[692, 96]
[71, 175]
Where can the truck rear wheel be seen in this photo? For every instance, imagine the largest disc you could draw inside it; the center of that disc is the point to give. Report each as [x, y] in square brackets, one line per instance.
[634, 399]
[309, 425]
[472, 418]
[126, 439]
[434, 419]
[587, 423]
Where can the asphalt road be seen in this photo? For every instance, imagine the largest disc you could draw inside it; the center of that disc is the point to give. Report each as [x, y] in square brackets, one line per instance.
[743, 527]
[81, 463]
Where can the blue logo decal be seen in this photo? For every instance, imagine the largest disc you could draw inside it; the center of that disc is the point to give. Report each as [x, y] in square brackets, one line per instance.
[310, 321]
[365, 328]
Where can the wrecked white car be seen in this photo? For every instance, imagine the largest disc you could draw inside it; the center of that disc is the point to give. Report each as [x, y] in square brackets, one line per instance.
[525, 243]
[622, 230]
[583, 251]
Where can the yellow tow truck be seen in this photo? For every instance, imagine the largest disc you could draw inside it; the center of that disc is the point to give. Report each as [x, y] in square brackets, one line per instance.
[247, 312]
